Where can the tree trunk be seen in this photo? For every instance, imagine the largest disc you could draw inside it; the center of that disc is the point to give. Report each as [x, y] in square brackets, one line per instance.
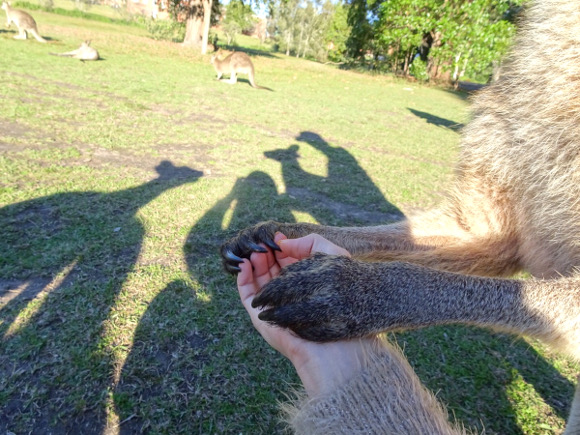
[206, 22]
[288, 38]
[305, 47]
[456, 69]
[300, 40]
[465, 60]
[406, 66]
[194, 25]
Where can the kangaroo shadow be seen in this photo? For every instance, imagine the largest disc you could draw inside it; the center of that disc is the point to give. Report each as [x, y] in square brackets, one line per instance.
[436, 120]
[28, 37]
[64, 260]
[246, 81]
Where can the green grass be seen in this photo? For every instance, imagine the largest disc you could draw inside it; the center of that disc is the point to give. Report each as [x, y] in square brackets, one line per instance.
[119, 180]
[96, 12]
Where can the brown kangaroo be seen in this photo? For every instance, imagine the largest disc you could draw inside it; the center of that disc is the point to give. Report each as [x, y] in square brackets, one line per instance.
[515, 205]
[23, 22]
[83, 53]
[234, 64]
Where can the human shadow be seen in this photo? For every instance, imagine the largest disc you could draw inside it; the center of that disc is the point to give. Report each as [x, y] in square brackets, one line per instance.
[195, 354]
[436, 120]
[146, 374]
[64, 260]
[346, 195]
[176, 361]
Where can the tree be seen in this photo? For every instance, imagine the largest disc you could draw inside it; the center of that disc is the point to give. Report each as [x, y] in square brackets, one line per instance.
[301, 27]
[464, 37]
[283, 17]
[239, 18]
[198, 16]
[400, 29]
[337, 33]
[475, 34]
[361, 37]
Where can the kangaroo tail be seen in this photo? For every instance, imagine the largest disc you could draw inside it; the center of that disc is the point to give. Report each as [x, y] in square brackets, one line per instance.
[37, 36]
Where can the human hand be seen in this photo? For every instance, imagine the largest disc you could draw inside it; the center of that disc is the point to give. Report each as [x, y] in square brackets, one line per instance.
[321, 367]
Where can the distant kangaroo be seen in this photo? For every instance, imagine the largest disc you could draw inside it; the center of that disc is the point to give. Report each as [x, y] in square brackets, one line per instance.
[235, 63]
[23, 22]
[514, 205]
[84, 52]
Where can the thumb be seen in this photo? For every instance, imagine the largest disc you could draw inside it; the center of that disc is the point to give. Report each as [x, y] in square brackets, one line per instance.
[305, 246]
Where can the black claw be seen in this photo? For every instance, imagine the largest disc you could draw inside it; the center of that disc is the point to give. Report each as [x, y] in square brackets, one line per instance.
[273, 245]
[257, 248]
[231, 256]
[233, 269]
[257, 303]
[267, 316]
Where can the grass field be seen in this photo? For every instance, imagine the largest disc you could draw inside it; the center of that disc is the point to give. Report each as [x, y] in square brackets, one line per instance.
[120, 178]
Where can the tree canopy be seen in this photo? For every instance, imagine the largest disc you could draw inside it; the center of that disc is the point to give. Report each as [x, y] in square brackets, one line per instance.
[458, 36]
[452, 38]
[430, 39]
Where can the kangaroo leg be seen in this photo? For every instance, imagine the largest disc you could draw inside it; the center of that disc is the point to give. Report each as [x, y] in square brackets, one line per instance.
[328, 297]
[233, 78]
[467, 235]
[21, 34]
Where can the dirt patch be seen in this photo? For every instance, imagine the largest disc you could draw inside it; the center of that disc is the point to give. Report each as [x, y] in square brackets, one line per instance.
[14, 129]
[20, 290]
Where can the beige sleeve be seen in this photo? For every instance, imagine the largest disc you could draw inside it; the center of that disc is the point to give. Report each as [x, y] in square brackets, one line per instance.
[386, 397]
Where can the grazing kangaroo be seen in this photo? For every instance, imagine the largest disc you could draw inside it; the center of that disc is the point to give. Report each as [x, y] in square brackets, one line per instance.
[84, 52]
[234, 64]
[514, 205]
[23, 22]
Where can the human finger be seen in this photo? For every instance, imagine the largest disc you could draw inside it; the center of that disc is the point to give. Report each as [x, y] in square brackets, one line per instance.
[247, 287]
[305, 246]
[282, 257]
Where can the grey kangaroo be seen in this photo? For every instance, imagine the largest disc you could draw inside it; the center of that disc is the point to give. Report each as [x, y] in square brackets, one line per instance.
[515, 205]
[234, 64]
[23, 22]
[83, 53]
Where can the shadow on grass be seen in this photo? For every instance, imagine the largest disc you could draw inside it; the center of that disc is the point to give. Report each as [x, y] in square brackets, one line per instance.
[472, 371]
[248, 51]
[177, 361]
[205, 394]
[479, 375]
[436, 120]
[64, 260]
[246, 81]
